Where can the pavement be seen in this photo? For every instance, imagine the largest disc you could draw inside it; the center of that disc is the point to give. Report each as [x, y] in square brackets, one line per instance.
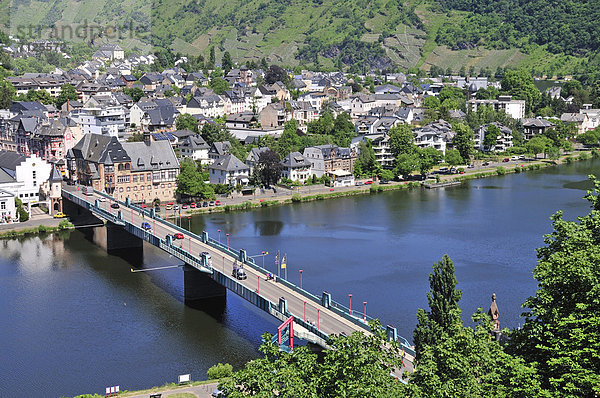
[35, 221]
[201, 391]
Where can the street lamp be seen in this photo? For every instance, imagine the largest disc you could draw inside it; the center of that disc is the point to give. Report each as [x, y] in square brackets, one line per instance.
[350, 296]
[263, 256]
[365, 316]
[219, 231]
[189, 224]
[300, 279]
[318, 318]
[223, 265]
[304, 310]
[258, 287]
[227, 241]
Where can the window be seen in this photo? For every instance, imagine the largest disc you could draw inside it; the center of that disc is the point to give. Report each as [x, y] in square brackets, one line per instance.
[142, 188]
[149, 176]
[141, 178]
[128, 189]
[162, 185]
[33, 174]
[149, 187]
[122, 179]
[172, 174]
[169, 185]
[121, 189]
[3, 205]
[135, 178]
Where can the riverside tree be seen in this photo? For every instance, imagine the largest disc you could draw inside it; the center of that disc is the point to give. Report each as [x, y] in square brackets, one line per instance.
[560, 335]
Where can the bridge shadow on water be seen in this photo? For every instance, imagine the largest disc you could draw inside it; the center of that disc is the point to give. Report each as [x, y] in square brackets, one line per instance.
[171, 282]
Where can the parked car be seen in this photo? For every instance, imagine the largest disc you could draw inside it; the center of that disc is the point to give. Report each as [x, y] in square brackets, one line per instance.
[60, 214]
[169, 207]
[192, 205]
[217, 203]
[114, 205]
[211, 203]
[204, 204]
[178, 235]
[443, 170]
[184, 206]
[514, 158]
[505, 160]
[486, 163]
[521, 157]
[384, 182]
[368, 182]
[359, 183]
[471, 166]
[146, 226]
[176, 207]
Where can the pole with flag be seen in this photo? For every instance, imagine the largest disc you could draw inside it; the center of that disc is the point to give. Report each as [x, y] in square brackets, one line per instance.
[277, 263]
[284, 264]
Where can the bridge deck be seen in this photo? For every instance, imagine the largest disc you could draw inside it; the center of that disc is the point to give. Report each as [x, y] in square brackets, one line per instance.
[306, 308]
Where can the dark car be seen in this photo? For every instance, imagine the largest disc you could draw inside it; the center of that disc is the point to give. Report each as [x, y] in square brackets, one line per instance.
[238, 272]
[506, 160]
[146, 225]
[204, 204]
[114, 205]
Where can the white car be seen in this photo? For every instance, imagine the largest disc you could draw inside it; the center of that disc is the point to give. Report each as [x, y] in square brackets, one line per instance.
[101, 199]
[514, 158]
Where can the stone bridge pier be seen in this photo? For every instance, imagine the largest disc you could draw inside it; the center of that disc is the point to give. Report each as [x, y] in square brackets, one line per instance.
[198, 287]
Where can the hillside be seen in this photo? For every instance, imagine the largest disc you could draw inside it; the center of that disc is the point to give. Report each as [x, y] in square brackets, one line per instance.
[355, 34]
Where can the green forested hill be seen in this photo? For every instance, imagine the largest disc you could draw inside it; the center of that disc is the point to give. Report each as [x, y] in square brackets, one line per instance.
[546, 36]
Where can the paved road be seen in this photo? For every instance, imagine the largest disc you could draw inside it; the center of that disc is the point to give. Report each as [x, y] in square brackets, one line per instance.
[324, 319]
[201, 391]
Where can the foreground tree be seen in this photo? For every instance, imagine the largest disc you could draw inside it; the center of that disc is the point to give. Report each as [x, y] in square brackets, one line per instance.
[185, 121]
[190, 182]
[67, 92]
[444, 315]
[359, 366]
[463, 141]
[560, 334]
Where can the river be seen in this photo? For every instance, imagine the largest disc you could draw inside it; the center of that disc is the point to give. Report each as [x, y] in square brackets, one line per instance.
[76, 320]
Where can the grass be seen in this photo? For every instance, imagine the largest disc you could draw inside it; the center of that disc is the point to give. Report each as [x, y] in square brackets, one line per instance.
[41, 229]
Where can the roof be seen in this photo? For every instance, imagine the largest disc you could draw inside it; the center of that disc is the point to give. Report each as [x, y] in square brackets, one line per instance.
[6, 177]
[229, 163]
[194, 142]
[157, 155]
[97, 148]
[537, 122]
[573, 117]
[10, 160]
[220, 148]
[55, 175]
[255, 153]
[295, 159]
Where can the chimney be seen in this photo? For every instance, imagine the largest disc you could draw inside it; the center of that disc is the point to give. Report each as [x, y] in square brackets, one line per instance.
[147, 139]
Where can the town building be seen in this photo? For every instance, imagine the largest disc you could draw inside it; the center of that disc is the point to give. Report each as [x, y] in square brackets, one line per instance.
[229, 170]
[327, 158]
[296, 167]
[513, 108]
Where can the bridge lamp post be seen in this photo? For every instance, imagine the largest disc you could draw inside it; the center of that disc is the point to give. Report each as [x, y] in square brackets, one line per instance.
[300, 279]
[227, 241]
[219, 231]
[223, 265]
[189, 224]
[350, 296]
[304, 310]
[365, 315]
[258, 286]
[263, 256]
[190, 245]
[318, 318]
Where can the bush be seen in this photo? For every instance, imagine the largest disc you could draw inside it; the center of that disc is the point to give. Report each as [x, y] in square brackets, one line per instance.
[296, 198]
[219, 371]
[584, 156]
[42, 229]
[64, 224]
[500, 170]
[320, 197]
[569, 159]
[517, 169]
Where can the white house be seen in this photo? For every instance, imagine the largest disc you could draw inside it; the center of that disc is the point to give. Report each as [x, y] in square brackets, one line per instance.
[27, 173]
[513, 108]
[296, 167]
[8, 212]
[229, 170]
[194, 147]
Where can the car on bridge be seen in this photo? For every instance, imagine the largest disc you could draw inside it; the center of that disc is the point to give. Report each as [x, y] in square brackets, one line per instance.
[114, 205]
[146, 226]
[238, 272]
[101, 199]
[60, 214]
[178, 235]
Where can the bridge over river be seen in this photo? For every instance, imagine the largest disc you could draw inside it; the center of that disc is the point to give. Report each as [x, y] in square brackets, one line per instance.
[314, 317]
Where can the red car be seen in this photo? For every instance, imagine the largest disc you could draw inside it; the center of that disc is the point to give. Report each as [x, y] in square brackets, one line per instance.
[218, 203]
[192, 205]
[368, 182]
[178, 235]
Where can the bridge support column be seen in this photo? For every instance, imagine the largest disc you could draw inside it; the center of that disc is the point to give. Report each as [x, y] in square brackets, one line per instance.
[117, 238]
[199, 286]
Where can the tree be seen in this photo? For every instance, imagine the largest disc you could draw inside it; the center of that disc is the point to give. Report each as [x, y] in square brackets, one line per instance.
[359, 366]
[519, 84]
[402, 140]
[191, 183]
[185, 121]
[219, 85]
[67, 92]
[269, 167]
[276, 74]
[589, 138]
[289, 140]
[463, 141]
[560, 334]
[432, 102]
[343, 130]
[491, 137]
[226, 62]
[135, 93]
[406, 163]
[366, 163]
[211, 58]
[136, 137]
[7, 92]
[453, 157]
[538, 144]
[428, 157]
[444, 315]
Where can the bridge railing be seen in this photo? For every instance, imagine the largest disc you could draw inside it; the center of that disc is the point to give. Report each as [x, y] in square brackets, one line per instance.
[356, 317]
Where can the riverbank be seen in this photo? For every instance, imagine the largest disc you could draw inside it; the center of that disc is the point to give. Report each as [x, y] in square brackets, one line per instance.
[34, 226]
[332, 193]
[194, 389]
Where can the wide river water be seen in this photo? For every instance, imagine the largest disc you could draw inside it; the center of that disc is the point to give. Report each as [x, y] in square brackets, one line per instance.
[76, 320]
